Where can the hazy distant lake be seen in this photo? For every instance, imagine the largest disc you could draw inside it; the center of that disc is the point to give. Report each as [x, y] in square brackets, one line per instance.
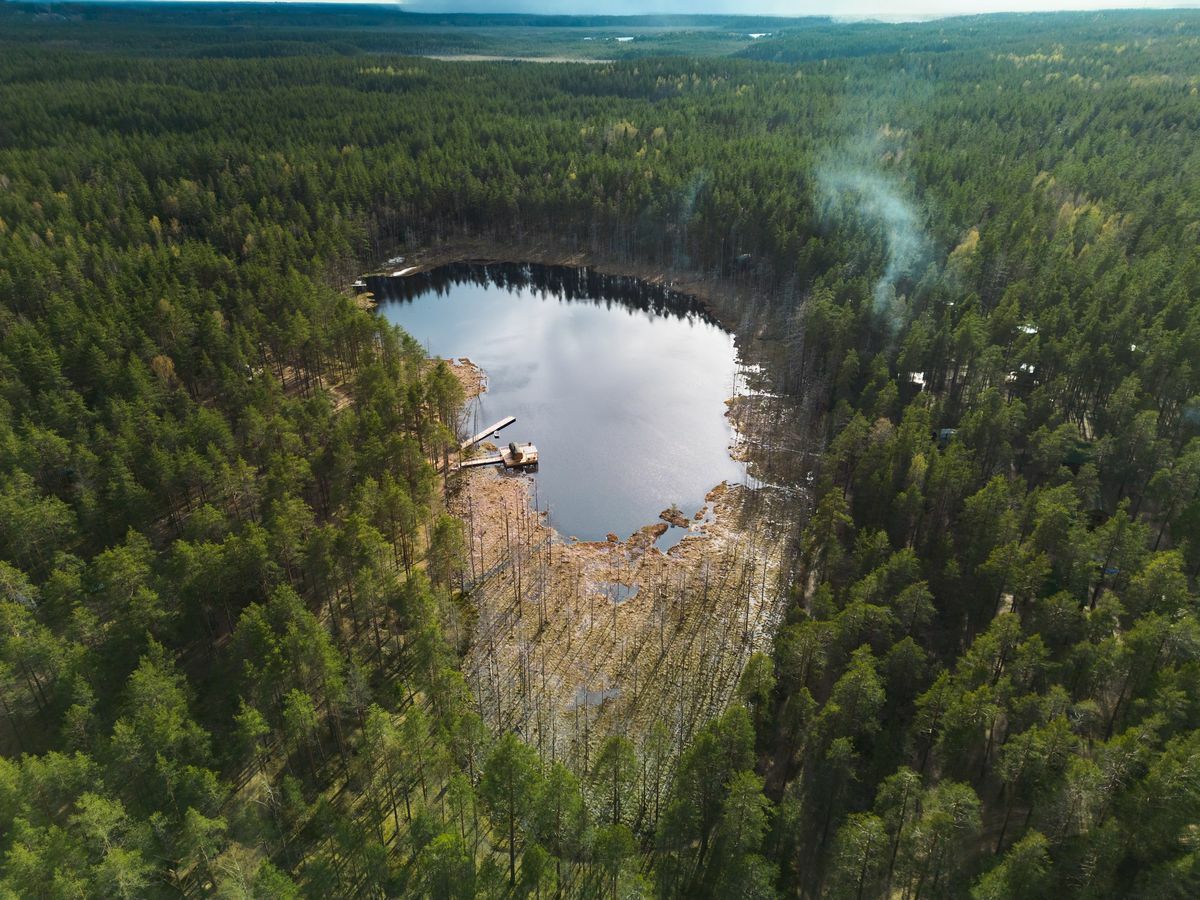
[621, 386]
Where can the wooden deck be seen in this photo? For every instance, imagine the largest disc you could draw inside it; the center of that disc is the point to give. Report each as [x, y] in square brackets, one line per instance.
[495, 460]
[487, 432]
[525, 458]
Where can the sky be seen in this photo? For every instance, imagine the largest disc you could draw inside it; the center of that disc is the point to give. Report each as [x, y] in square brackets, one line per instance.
[882, 8]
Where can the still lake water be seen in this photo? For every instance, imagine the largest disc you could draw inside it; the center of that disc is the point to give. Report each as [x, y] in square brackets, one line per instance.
[621, 386]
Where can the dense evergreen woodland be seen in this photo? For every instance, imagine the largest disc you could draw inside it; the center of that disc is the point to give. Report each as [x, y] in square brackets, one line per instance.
[231, 622]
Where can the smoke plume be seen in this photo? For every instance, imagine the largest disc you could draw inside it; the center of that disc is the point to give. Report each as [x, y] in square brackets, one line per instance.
[857, 191]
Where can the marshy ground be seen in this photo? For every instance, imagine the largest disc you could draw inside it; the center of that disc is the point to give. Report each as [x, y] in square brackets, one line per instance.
[573, 641]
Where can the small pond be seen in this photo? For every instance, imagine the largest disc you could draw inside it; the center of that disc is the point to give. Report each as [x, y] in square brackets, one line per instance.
[621, 385]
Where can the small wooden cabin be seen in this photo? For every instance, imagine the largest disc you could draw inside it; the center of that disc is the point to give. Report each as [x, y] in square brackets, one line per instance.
[517, 456]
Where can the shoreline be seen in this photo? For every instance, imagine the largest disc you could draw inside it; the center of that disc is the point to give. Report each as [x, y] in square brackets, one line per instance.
[574, 640]
[770, 430]
[713, 295]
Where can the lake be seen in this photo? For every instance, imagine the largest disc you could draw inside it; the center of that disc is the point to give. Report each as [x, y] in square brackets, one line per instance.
[621, 385]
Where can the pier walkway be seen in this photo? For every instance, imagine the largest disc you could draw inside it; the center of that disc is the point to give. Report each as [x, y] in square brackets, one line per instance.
[490, 430]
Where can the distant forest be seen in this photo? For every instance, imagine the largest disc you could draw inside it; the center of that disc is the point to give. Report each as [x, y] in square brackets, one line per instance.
[230, 605]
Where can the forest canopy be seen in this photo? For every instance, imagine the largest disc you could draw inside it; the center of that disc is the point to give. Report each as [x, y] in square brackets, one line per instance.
[231, 605]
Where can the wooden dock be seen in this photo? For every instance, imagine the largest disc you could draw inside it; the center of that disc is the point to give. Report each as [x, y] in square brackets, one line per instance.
[487, 432]
[514, 456]
[495, 460]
